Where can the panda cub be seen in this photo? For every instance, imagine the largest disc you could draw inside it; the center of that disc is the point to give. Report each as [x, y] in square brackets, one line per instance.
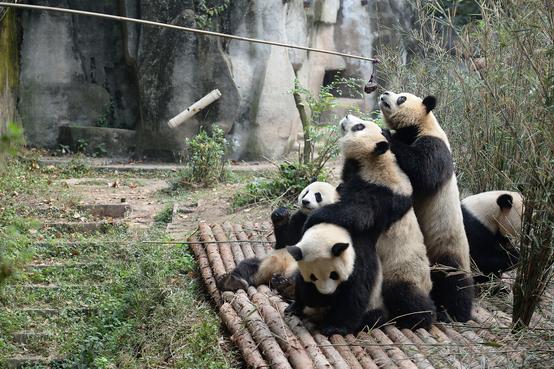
[339, 279]
[288, 231]
[490, 220]
[406, 275]
[423, 152]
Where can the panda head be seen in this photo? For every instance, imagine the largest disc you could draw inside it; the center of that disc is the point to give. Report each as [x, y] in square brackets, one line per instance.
[325, 256]
[361, 139]
[405, 109]
[316, 195]
[499, 211]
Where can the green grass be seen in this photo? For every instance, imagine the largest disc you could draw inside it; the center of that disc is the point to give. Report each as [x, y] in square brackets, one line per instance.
[146, 307]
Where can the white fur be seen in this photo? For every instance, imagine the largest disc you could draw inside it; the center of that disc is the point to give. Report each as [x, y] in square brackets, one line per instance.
[483, 206]
[328, 193]
[439, 216]
[400, 248]
[318, 260]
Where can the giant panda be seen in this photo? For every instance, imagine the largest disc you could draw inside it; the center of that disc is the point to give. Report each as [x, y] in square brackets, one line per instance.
[491, 219]
[376, 194]
[406, 275]
[288, 231]
[339, 279]
[423, 152]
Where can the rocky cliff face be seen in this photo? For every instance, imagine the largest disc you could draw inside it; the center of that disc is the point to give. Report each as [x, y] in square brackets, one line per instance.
[86, 71]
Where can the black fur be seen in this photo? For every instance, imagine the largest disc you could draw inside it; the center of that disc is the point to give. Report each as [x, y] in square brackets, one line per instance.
[451, 306]
[348, 305]
[241, 276]
[430, 103]
[287, 229]
[407, 305]
[363, 207]
[505, 201]
[492, 252]
[427, 161]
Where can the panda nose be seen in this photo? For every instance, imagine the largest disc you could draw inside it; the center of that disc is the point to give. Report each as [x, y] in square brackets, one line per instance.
[305, 202]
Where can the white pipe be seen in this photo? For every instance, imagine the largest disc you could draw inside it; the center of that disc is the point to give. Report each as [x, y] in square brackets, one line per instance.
[194, 108]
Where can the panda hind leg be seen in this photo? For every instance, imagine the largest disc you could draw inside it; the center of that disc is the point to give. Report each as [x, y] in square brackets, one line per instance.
[408, 305]
[453, 290]
[241, 277]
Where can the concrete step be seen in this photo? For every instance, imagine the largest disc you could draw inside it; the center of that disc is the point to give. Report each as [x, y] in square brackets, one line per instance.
[25, 361]
[107, 210]
[27, 337]
[83, 227]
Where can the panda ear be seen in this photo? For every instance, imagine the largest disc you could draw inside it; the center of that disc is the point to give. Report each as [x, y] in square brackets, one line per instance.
[505, 201]
[296, 252]
[430, 103]
[381, 148]
[338, 248]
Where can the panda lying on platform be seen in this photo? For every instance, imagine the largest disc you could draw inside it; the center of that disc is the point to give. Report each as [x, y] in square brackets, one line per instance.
[288, 231]
[490, 220]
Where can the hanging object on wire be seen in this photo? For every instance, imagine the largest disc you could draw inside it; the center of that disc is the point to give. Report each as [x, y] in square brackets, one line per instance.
[372, 85]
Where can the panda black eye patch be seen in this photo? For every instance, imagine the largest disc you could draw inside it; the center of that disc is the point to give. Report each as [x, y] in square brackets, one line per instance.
[334, 276]
[400, 100]
[313, 278]
[358, 127]
[318, 197]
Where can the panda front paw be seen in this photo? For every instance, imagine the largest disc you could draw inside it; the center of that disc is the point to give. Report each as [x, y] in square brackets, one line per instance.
[294, 309]
[280, 216]
[230, 282]
[285, 286]
[329, 330]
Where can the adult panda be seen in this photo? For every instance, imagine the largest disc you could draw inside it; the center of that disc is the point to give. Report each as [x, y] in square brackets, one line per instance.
[423, 152]
[288, 231]
[491, 219]
[375, 205]
[339, 279]
[406, 275]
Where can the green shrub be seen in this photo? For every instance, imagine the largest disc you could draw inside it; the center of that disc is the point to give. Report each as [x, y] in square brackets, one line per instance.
[206, 158]
[496, 102]
[319, 146]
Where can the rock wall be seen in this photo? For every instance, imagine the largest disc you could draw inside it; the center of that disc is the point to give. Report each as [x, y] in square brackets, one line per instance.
[88, 72]
[9, 67]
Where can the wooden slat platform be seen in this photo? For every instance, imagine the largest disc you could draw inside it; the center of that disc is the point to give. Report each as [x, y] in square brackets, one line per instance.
[268, 338]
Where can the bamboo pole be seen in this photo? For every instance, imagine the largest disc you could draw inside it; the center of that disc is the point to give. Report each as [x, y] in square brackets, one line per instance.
[241, 337]
[181, 28]
[397, 355]
[206, 272]
[363, 358]
[258, 329]
[408, 347]
[296, 326]
[235, 246]
[442, 352]
[246, 248]
[194, 109]
[344, 349]
[225, 248]
[212, 251]
[256, 246]
[379, 356]
[285, 338]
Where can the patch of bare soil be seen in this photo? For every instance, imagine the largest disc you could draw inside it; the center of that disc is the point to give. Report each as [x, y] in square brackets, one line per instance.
[139, 193]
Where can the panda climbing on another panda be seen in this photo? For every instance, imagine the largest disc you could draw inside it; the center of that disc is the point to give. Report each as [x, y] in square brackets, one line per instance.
[375, 195]
[491, 219]
[288, 231]
[423, 152]
[339, 279]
